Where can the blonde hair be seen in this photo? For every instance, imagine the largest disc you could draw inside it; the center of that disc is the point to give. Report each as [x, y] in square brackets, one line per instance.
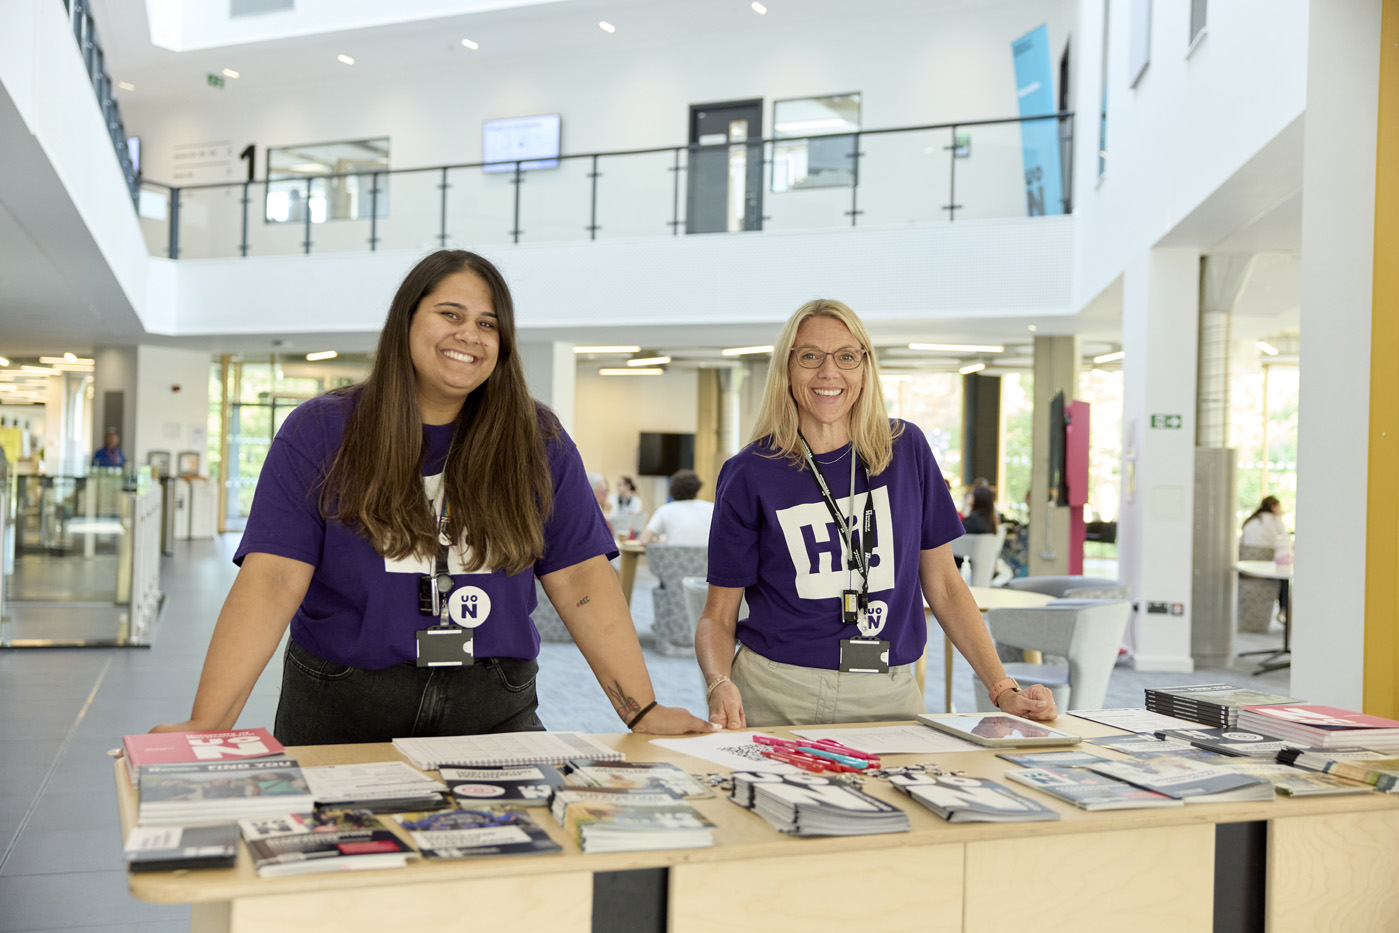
[778, 421]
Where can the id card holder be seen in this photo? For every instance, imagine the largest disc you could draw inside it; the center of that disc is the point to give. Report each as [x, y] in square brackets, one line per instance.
[864, 656]
[850, 606]
[445, 646]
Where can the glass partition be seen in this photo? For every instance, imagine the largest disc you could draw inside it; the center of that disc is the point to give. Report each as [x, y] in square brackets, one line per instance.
[637, 193]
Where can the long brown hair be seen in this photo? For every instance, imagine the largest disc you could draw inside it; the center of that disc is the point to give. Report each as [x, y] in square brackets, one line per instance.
[870, 430]
[497, 473]
[1267, 505]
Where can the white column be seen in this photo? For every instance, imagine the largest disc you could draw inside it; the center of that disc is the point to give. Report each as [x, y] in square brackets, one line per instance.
[551, 370]
[1160, 322]
[1338, 225]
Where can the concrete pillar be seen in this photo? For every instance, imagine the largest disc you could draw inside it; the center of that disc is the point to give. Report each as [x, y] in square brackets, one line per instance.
[1160, 326]
[1056, 370]
[551, 370]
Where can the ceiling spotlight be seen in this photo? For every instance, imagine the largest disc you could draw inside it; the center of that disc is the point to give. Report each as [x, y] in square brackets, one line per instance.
[321, 355]
[230, 73]
[650, 361]
[470, 45]
[345, 59]
[126, 85]
[70, 357]
[1267, 347]
[605, 26]
[759, 8]
[606, 349]
[631, 371]
[744, 351]
[972, 368]
[1109, 357]
[958, 347]
[4, 361]
[1032, 328]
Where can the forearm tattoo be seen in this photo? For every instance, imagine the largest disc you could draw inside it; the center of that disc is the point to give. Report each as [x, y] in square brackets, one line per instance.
[584, 601]
[626, 706]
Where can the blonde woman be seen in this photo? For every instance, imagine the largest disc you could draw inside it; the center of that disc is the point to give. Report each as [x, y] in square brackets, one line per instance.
[831, 521]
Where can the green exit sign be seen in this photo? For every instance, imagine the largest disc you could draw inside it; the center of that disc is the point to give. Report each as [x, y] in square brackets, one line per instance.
[1166, 421]
[215, 81]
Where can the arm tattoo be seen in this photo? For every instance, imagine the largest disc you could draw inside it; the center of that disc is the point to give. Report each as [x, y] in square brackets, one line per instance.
[626, 706]
[583, 601]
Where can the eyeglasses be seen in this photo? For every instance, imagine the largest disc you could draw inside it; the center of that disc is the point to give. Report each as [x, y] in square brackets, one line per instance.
[814, 358]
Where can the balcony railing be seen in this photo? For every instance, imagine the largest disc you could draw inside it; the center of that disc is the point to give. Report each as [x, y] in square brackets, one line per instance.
[95, 61]
[971, 169]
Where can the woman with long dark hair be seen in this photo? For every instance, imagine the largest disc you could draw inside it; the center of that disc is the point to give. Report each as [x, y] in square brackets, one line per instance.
[398, 526]
[981, 518]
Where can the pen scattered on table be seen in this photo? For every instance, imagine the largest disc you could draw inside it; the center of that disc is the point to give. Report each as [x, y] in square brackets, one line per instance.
[816, 754]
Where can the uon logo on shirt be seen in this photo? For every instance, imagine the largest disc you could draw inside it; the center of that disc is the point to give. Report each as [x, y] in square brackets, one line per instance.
[469, 606]
[817, 546]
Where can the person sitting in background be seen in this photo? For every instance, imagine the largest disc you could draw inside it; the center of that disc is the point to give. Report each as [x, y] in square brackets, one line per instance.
[626, 501]
[1264, 528]
[110, 455]
[981, 519]
[599, 484]
[685, 519]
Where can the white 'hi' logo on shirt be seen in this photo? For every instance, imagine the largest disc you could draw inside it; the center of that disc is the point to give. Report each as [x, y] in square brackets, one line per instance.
[818, 551]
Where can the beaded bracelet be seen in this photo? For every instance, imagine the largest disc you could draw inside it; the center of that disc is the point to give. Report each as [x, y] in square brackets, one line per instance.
[644, 710]
[714, 686]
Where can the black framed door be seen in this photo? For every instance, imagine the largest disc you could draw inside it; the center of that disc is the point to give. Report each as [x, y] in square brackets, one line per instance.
[725, 178]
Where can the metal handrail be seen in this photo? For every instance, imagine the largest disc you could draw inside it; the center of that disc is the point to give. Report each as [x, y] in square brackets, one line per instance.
[94, 62]
[1066, 118]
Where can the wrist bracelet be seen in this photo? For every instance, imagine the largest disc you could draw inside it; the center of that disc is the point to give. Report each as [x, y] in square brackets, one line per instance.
[723, 679]
[638, 717]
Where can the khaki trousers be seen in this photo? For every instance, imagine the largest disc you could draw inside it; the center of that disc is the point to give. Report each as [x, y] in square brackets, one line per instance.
[777, 694]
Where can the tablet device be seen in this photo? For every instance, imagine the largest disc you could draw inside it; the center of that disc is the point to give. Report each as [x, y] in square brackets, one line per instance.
[998, 729]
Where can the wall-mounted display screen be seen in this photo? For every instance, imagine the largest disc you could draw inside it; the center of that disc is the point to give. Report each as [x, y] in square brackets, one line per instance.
[534, 141]
[663, 454]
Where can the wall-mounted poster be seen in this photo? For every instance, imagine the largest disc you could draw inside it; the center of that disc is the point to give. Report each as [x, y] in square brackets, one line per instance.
[187, 464]
[160, 459]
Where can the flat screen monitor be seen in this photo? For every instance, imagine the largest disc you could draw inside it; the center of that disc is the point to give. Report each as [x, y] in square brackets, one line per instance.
[532, 140]
[663, 454]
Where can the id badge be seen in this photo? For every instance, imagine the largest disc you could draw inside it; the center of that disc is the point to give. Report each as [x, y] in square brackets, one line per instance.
[850, 606]
[448, 646]
[864, 656]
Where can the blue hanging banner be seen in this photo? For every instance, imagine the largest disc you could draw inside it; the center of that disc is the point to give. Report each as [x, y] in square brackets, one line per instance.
[1034, 85]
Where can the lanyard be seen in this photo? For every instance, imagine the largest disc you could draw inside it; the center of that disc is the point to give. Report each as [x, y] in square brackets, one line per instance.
[860, 559]
[442, 568]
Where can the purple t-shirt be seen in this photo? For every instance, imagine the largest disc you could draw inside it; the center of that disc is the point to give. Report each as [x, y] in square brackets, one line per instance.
[361, 608]
[773, 535]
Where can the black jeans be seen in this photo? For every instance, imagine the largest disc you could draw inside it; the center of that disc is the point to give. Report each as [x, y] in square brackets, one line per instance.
[324, 703]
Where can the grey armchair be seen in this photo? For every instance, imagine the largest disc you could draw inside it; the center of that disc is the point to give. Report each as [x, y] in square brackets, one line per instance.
[670, 564]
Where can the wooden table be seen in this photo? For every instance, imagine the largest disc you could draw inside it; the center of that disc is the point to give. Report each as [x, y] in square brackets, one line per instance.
[987, 598]
[1322, 864]
[1271, 570]
[631, 553]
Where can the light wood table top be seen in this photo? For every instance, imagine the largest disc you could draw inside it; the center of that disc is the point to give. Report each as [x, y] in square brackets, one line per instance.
[631, 553]
[1264, 568]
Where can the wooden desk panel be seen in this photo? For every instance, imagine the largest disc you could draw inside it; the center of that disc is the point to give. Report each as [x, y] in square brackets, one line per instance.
[1337, 872]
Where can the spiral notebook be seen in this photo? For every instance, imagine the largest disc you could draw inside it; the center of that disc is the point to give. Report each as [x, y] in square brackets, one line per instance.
[503, 749]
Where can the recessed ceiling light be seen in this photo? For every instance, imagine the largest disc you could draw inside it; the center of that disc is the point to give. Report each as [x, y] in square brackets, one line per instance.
[1267, 347]
[1032, 328]
[41, 370]
[321, 355]
[1109, 357]
[605, 26]
[126, 85]
[606, 349]
[230, 73]
[66, 359]
[4, 361]
[631, 371]
[470, 45]
[744, 351]
[345, 58]
[759, 8]
[958, 347]
[649, 361]
[972, 368]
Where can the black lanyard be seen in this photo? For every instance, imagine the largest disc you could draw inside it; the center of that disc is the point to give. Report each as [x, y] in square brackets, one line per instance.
[442, 568]
[861, 557]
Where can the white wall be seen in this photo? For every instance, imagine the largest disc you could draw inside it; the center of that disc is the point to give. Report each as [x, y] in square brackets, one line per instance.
[167, 417]
[924, 66]
[612, 412]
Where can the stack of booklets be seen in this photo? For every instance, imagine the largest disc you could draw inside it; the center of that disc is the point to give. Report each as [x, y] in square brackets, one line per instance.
[503, 830]
[1235, 742]
[812, 805]
[1088, 790]
[1149, 746]
[1214, 705]
[203, 794]
[150, 748]
[382, 786]
[322, 841]
[603, 820]
[172, 848]
[502, 749]
[960, 799]
[1187, 779]
[1358, 764]
[526, 785]
[1322, 726]
[1295, 782]
[635, 775]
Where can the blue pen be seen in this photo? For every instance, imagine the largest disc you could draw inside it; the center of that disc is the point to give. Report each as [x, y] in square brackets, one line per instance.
[841, 759]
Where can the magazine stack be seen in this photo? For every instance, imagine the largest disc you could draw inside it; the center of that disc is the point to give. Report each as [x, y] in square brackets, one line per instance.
[1213, 705]
[960, 799]
[1322, 726]
[812, 805]
[1363, 765]
[600, 819]
[205, 794]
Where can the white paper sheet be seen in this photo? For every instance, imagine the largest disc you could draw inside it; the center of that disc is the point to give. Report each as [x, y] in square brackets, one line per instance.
[735, 750]
[1133, 720]
[892, 740]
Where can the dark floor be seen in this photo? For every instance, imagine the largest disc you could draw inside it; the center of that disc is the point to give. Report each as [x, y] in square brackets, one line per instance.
[62, 709]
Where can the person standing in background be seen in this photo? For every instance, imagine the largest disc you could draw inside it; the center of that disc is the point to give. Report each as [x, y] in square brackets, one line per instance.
[110, 455]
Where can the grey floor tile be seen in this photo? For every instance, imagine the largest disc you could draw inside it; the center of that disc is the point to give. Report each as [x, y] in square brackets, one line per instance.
[94, 848]
[13, 807]
[74, 811]
[74, 901]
